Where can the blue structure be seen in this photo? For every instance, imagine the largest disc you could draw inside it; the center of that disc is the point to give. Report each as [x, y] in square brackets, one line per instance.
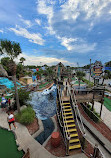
[8, 83]
[108, 68]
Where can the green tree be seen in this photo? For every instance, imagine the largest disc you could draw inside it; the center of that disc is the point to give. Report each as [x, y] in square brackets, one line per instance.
[22, 59]
[49, 73]
[19, 71]
[80, 75]
[12, 49]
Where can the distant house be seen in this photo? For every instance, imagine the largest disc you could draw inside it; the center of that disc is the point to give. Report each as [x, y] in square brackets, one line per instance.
[26, 79]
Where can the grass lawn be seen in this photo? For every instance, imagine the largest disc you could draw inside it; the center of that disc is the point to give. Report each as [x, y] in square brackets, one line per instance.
[43, 85]
[107, 103]
[8, 148]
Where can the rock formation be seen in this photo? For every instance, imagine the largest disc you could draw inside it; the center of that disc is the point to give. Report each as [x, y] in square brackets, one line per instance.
[3, 72]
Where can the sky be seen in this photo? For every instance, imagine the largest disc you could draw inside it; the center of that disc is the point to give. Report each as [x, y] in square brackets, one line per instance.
[53, 31]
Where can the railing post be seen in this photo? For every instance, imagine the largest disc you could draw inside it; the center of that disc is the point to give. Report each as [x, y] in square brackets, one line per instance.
[96, 151]
[67, 147]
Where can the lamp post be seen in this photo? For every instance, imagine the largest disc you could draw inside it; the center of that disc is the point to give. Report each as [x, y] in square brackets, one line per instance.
[90, 71]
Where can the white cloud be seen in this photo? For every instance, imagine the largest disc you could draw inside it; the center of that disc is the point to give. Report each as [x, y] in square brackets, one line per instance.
[32, 37]
[46, 8]
[76, 44]
[26, 22]
[90, 9]
[67, 42]
[1, 31]
[33, 60]
[38, 21]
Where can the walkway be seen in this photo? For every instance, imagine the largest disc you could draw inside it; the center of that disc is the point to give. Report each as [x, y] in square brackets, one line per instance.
[25, 140]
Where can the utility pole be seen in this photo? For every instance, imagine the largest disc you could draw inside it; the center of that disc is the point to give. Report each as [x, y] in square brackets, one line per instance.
[90, 71]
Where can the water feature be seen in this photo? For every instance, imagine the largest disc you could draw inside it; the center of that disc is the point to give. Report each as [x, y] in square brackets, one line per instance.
[8, 83]
[45, 107]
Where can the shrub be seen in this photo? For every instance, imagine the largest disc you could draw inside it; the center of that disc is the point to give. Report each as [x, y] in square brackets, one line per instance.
[23, 96]
[26, 116]
[90, 114]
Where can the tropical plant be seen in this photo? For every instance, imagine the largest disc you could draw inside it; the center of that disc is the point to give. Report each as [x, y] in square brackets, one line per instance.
[26, 116]
[80, 76]
[12, 49]
[49, 73]
[22, 59]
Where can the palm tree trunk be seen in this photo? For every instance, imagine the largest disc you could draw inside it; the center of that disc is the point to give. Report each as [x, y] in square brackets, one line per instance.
[16, 93]
[79, 84]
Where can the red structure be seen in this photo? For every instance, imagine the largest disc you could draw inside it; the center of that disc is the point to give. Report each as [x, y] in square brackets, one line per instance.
[55, 139]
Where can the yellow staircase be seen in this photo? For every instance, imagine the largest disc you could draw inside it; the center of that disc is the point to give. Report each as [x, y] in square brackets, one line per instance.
[69, 123]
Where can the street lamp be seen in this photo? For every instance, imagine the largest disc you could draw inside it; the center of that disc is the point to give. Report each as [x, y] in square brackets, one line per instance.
[90, 71]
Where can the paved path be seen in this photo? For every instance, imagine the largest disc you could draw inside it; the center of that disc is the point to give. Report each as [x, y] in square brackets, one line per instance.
[25, 140]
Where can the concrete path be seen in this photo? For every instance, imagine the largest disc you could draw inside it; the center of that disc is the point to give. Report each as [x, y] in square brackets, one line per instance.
[25, 140]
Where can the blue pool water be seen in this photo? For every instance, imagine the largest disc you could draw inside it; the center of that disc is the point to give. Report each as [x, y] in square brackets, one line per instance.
[8, 83]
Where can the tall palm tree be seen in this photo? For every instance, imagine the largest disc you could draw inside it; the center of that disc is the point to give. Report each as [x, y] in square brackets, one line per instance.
[12, 49]
[22, 59]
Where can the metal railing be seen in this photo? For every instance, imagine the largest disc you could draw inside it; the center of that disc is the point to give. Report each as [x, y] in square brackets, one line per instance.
[76, 109]
[65, 128]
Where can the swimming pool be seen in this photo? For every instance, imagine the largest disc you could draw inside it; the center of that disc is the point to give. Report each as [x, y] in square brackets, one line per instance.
[8, 83]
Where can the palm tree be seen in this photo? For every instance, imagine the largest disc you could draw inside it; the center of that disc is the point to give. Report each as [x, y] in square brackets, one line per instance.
[80, 75]
[49, 73]
[12, 49]
[22, 59]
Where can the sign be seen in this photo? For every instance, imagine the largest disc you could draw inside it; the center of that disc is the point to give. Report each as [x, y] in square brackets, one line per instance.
[97, 70]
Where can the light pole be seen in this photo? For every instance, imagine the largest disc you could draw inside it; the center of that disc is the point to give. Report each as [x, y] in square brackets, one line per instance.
[90, 71]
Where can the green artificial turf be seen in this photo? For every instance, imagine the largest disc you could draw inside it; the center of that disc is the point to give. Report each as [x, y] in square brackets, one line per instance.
[77, 82]
[107, 103]
[8, 147]
[43, 85]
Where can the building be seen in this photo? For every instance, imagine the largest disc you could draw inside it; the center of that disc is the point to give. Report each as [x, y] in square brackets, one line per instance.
[26, 79]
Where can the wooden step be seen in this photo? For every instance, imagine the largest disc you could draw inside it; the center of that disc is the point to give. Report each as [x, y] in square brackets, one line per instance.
[72, 125]
[69, 121]
[67, 109]
[73, 140]
[74, 135]
[74, 147]
[71, 130]
[69, 113]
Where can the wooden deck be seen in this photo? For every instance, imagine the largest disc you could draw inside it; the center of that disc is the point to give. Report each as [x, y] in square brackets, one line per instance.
[87, 98]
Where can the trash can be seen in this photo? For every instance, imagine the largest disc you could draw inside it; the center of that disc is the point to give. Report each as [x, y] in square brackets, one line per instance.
[55, 139]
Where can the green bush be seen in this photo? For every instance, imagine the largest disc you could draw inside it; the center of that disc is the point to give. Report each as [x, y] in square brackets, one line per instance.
[24, 96]
[90, 114]
[26, 116]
